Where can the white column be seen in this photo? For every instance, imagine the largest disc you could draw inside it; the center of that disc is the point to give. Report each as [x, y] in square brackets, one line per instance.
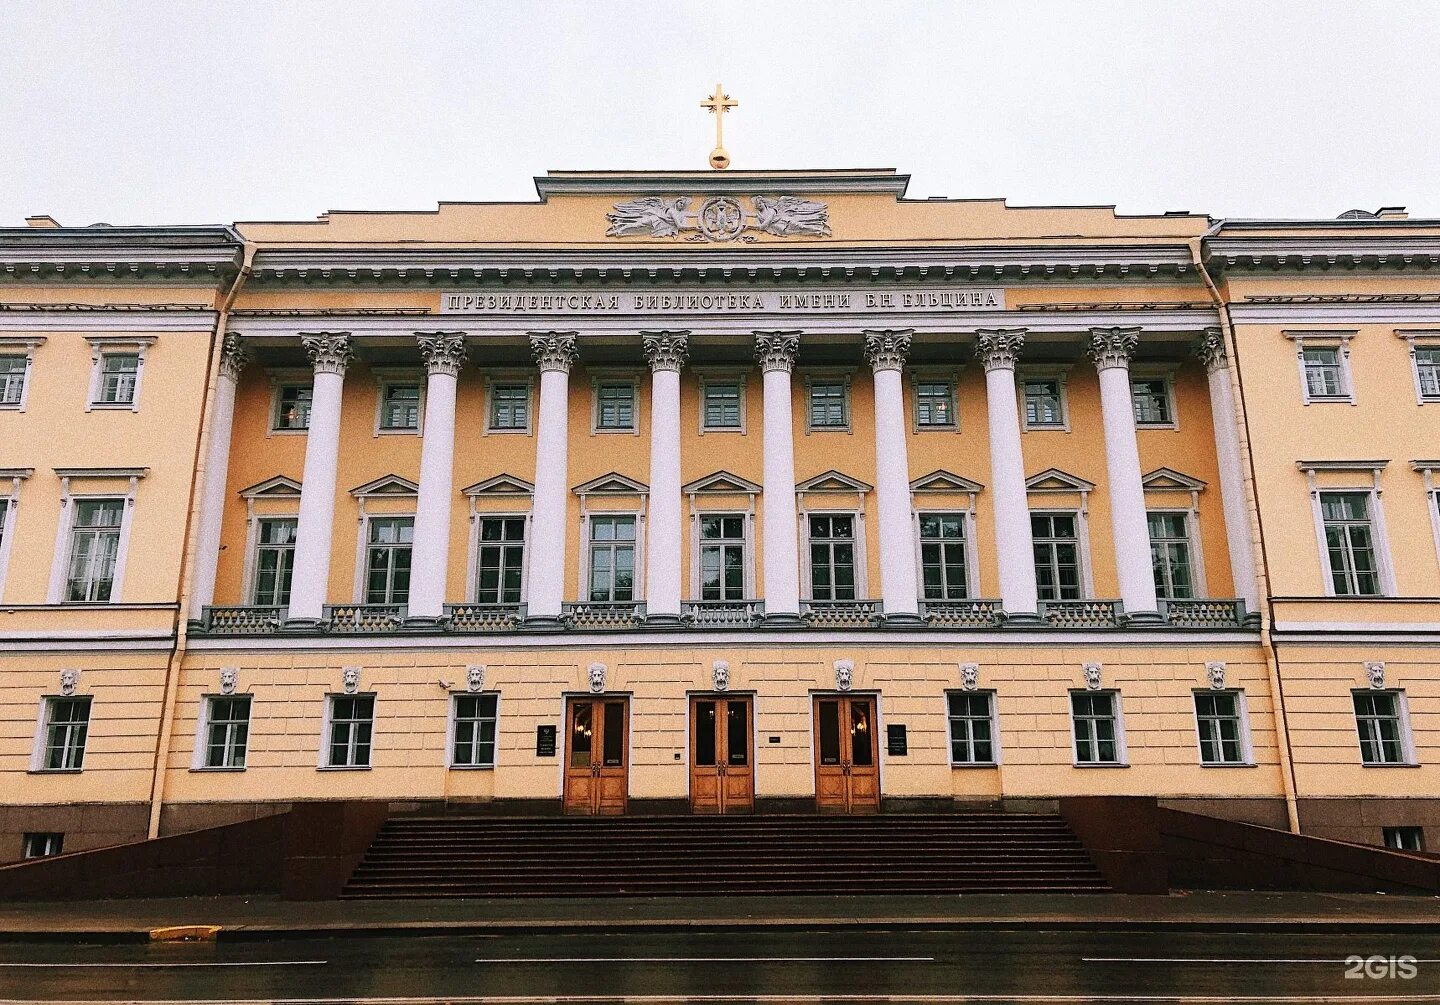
[554, 355]
[217, 471]
[1232, 473]
[444, 354]
[1111, 349]
[775, 351]
[666, 351]
[330, 352]
[886, 350]
[998, 349]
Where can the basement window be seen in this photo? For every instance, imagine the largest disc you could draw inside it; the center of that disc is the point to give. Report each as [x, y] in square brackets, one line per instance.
[1404, 838]
[43, 844]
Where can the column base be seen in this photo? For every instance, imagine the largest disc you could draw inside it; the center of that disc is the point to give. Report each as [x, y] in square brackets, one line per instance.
[1144, 619]
[663, 621]
[1023, 619]
[904, 619]
[781, 619]
[426, 623]
[303, 624]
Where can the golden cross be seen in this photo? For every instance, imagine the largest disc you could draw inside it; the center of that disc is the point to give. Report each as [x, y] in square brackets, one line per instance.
[719, 103]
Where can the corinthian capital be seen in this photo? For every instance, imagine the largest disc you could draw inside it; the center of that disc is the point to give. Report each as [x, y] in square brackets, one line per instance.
[1211, 350]
[553, 350]
[233, 357]
[1112, 346]
[999, 348]
[329, 352]
[443, 352]
[775, 350]
[887, 348]
[666, 350]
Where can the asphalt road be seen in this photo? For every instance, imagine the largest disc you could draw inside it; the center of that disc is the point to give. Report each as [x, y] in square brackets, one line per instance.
[841, 965]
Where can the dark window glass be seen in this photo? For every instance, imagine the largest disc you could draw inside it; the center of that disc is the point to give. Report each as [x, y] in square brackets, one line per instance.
[705, 733]
[737, 733]
[614, 734]
[827, 405]
[829, 732]
[722, 405]
[474, 740]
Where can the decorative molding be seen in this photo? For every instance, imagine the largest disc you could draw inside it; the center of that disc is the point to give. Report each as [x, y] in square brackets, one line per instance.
[833, 481]
[1375, 674]
[500, 485]
[721, 483]
[595, 675]
[229, 679]
[720, 675]
[443, 352]
[69, 681]
[666, 350]
[475, 677]
[776, 350]
[1112, 347]
[1215, 675]
[329, 352]
[612, 483]
[844, 675]
[887, 348]
[1211, 350]
[1055, 481]
[969, 676]
[553, 351]
[1169, 480]
[350, 679]
[852, 181]
[233, 357]
[1092, 673]
[386, 486]
[279, 485]
[718, 218]
[999, 348]
[947, 482]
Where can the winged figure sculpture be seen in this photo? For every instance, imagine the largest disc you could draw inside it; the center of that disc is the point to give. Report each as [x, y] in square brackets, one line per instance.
[790, 215]
[652, 216]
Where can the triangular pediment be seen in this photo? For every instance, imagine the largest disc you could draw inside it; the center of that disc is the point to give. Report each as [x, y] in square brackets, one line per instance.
[270, 487]
[1055, 480]
[944, 481]
[500, 485]
[388, 485]
[722, 482]
[613, 483]
[833, 481]
[1170, 480]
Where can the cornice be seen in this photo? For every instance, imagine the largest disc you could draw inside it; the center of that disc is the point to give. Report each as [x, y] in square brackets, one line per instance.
[881, 180]
[1320, 253]
[1307, 311]
[119, 254]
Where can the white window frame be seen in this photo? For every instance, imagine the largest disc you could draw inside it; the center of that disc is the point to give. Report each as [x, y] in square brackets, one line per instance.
[450, 722]
[1198, 589]
[1338, 340]
[1384, 563]
[279, 380]
[104, 345]
[1407, 736]
[362, 553]
[995, 750]
[1427, 469]
[921, 375]
[10, 479]
[328, 722]
[967, 517]
[511, 379]
[601, 378]
[1122, 750]
[708, 376]
[252, 556]
[22, 346]
[1059, 374]
[586, 520]
[830, 376]
[388, 377]
[42, 734]
[1416, 339]
[260, 493]
[1082, 546]
[1166, 375]
[60, 563]
[621, 488]
[472, 578]
[807, 579]
[747, 545]
[1242, 711]
[202, 732]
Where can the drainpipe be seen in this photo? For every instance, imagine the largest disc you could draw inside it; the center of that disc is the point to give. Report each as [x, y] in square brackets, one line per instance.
[160, 765]
[1257, 529]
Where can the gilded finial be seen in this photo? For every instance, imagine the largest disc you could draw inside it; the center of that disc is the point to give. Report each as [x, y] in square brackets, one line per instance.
[719, 103]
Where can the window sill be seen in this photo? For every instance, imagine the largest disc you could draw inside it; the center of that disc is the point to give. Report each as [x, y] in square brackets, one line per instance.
[828, 429]
[971, 766]
[506, 431]
[208, 770]
[112, 406]
[397, 432]
[343, 767]
[1404, 764]
[1099, 764]
[1330, 400]
[289, 432]
[721, 429]
[937, 428]
[1228, 764]
[471, 767]
[54, 771]
[1157, 425]
[628, 431]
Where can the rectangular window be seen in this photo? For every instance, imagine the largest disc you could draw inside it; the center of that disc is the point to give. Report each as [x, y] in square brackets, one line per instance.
[1097, 727]
[942, 556]
[501, 559]
[12, 379]
[4, 512]
[972, 727]
[352, 723]
[1217, 717]
[387, 561]
[1170, 555]
[274, 562]
[42, 844]
[1043, 404]
[94, 547]
[227, 730]
[1152, 402]
[721, 405]
[612, 559]
[67, 724]
[722, 557]
[1350, 544]
[1057, 555]
[1378, 722]
[474, 731]
[935, 404]
[1427, 371]
[827, 405]
[832, 557]
[510, 406]
[615, 406]
[400, 406]
[1404, 838]
[118, 373]
[292, 406]
[1323, 375]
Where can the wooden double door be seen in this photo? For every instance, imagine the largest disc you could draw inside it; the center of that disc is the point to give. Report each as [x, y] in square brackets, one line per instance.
[722, 768]
[597, 755]
[847, 762]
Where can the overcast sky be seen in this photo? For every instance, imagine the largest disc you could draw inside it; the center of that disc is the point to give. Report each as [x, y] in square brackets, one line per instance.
[203, 112]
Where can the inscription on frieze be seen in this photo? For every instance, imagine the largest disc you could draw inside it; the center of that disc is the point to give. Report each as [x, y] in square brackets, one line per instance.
[852, 301]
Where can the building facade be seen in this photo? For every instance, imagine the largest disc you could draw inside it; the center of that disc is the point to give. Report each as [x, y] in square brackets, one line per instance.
[704, 492]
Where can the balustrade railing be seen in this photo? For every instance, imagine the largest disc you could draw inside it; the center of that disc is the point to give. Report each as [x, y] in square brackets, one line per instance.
[962, 613]
[239, 620]
[604, 614]
[841, 613]
[363, 619]
[722, 613]
[1082, 613]
[1204, 613]
[484, 617]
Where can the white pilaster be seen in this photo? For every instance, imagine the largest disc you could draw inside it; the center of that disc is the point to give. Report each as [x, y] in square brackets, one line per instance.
[998, 349]
[1232, 473]
[666, 351]
[886, 350]
[217, 470]
[554, 355]
[444, 354]
[775, 352]
[1111, 349]
[330, 352]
